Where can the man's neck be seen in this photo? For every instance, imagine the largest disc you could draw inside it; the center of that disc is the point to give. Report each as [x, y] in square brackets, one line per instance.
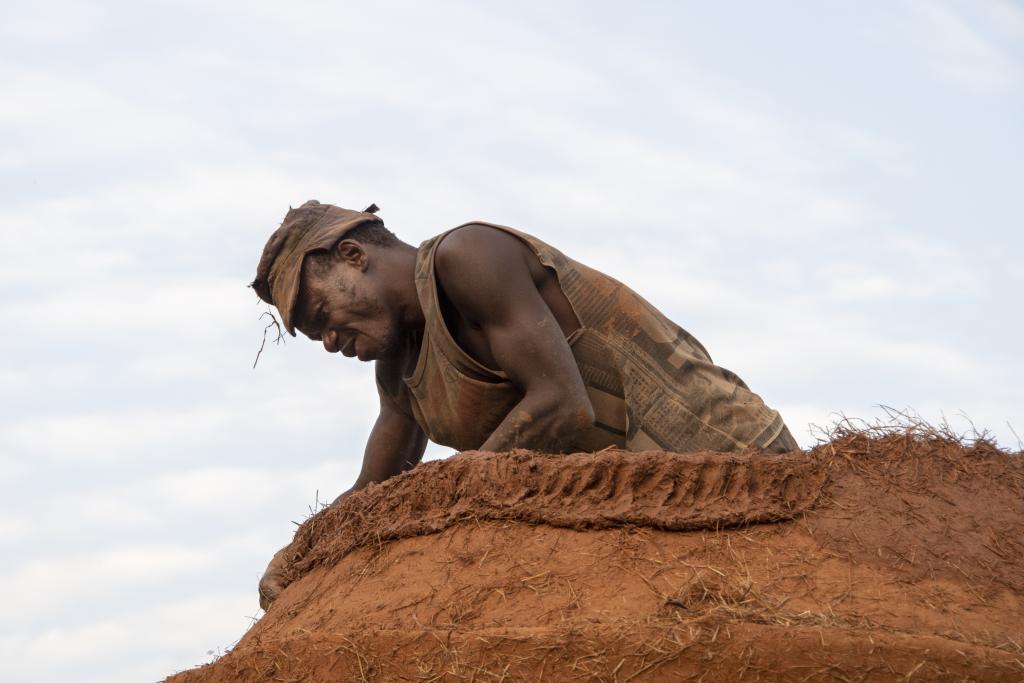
[406, 298]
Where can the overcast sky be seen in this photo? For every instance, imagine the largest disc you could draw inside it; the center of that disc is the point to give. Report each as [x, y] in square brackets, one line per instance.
[828, 195]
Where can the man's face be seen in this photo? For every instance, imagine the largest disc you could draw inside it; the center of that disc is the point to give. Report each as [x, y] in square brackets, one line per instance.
[342, 305]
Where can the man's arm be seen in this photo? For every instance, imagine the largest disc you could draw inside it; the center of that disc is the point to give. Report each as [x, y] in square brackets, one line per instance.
[485, 273]
[396, 444]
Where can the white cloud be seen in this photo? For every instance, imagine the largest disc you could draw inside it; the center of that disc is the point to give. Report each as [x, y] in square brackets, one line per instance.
[321, 409]
[828, 344]
[237, 491]
[13, 529]
[49, 21]
[886, 156]
[765, 185]
[109, 438]
[63, 118]
[906, 269]
[193, 308]
[124, 644]
[960, 51]
[1007, 16]
[44, 584]
[222, 499]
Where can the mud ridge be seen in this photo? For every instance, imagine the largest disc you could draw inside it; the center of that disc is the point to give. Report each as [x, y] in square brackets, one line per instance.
[612, 488]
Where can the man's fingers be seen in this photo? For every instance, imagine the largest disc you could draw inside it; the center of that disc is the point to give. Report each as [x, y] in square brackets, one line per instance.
[273, 581]
[268, 593]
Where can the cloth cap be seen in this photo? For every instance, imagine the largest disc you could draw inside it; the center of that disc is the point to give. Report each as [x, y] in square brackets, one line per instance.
[311, 227]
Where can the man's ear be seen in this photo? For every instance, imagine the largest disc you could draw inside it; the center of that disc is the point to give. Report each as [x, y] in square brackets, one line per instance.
[351, 253]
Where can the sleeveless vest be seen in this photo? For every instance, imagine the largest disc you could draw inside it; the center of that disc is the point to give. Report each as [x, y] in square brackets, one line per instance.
[652, 385]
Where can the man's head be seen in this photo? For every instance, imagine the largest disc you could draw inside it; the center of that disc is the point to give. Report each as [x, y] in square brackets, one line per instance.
[331, 273]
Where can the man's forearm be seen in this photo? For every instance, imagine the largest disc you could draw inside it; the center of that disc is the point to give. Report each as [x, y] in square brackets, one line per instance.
[539, 424]
[396, 444]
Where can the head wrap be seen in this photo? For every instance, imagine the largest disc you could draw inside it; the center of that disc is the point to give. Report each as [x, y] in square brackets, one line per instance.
[311, 227]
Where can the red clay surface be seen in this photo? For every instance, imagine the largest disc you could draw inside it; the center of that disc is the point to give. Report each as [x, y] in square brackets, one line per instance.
[870, 558]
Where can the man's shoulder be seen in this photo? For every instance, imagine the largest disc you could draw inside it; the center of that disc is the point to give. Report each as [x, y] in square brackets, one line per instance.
[477, 264]
[475, 240]
[477, 249]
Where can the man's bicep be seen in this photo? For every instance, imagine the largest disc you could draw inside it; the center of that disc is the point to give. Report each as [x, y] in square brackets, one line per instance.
[493, 288]
[529, 346]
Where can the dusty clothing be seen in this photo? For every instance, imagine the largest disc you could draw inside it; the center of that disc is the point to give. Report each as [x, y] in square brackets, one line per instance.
[785, 442]
[652, 385]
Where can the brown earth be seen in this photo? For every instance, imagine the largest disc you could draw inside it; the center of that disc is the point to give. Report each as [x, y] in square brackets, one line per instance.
[887, 556]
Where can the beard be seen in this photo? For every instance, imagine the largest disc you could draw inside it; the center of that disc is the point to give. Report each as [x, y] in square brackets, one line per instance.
[388, 334]
[400, 345]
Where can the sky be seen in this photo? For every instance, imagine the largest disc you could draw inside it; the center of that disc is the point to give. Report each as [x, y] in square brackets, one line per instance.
[828, 195]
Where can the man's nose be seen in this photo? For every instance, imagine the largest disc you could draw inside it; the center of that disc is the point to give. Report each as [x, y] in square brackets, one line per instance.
[331, 341]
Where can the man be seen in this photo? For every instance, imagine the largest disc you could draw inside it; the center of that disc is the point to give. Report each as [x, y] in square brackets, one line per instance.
[487, 338]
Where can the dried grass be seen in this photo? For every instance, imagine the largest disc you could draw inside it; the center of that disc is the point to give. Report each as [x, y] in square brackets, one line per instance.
[909, 426]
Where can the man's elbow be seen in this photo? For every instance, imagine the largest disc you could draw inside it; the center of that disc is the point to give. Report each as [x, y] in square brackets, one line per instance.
[572, 415]
[583, 415]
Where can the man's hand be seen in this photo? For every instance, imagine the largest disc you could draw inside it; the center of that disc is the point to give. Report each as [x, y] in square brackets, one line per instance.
[275, 579]
[396, 444]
